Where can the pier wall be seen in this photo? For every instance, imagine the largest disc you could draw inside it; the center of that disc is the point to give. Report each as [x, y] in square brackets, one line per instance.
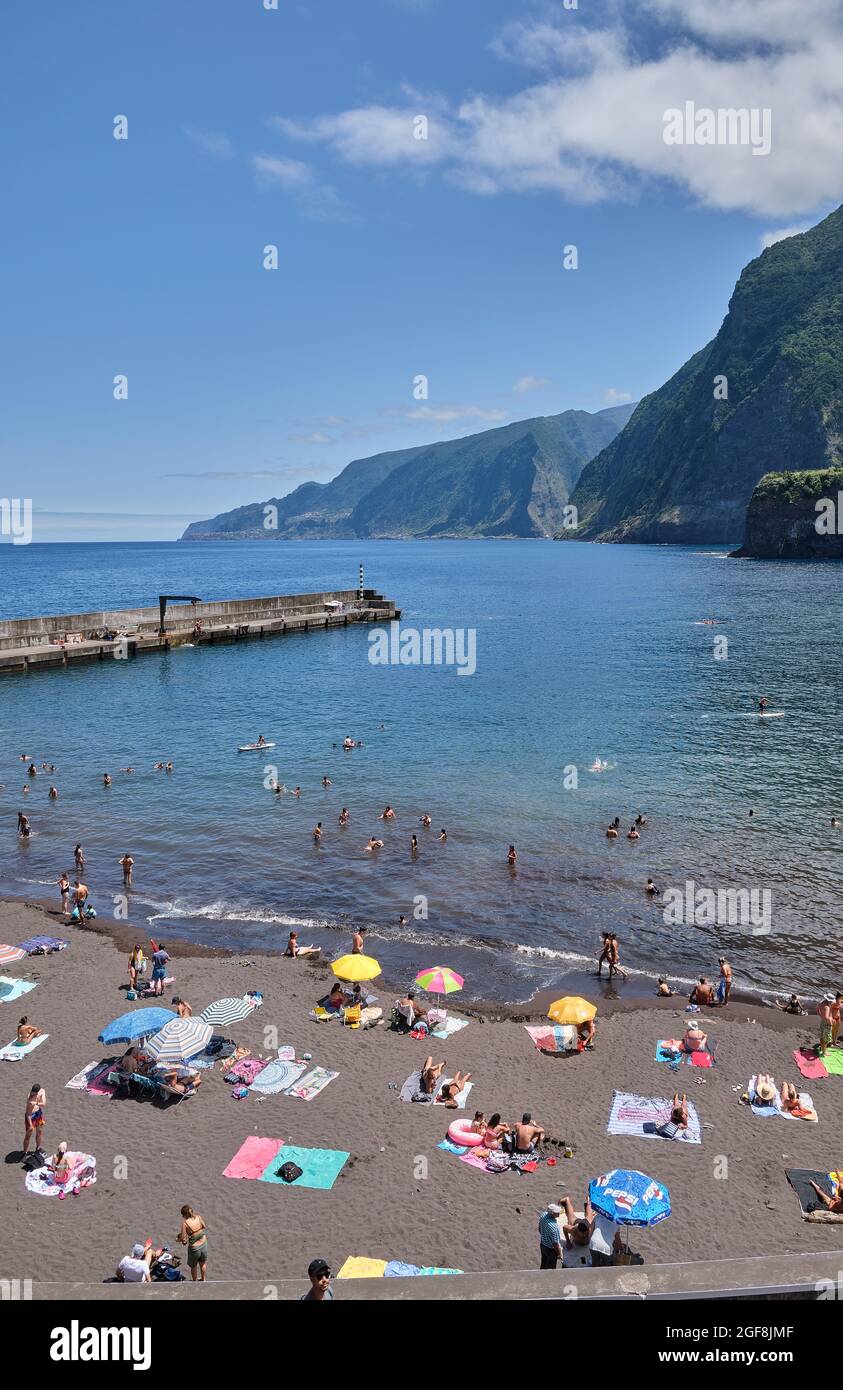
[59, 639]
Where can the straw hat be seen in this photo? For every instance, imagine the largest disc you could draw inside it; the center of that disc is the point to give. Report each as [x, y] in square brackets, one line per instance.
[765, 1091]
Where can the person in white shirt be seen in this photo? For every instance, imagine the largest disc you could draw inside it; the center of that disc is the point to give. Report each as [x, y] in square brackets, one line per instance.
[134, 1268]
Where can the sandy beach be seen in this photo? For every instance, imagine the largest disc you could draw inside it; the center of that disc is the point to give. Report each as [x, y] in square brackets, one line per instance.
[380, 1206]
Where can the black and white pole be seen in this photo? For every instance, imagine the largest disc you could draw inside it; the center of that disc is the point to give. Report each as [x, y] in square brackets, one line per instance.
[360, 590]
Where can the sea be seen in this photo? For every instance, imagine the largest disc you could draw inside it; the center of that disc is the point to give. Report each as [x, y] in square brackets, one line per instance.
[650, 659]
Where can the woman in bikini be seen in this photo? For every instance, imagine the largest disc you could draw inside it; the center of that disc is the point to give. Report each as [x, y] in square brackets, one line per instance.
[194, 1235]
[34, 1117]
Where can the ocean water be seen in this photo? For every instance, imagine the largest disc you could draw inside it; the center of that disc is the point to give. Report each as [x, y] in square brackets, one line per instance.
[583, 651]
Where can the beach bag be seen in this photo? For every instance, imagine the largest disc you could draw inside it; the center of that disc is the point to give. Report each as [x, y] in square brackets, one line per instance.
[288, 1172]
[131, 994]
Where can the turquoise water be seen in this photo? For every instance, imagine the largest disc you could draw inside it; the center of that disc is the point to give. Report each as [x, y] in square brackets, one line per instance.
[582, 651]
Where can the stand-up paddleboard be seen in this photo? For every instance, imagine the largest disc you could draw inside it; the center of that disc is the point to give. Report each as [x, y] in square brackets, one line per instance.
[254, 747]
[766, 714]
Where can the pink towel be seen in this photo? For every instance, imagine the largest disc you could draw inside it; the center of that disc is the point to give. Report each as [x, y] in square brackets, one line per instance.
[98, 1083]
[809, 1063]
[252, 1157]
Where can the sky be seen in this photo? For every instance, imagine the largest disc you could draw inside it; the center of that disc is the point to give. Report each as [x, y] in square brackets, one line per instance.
[296, 126]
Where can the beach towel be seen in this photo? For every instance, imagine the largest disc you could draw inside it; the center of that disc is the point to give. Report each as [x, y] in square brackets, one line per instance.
[412, 1087]
[775, 1107]
[810, 1065]
[361, 1267]
[434, 1269]
[277, 1076]
[98, 1083]
[670, 1050]
[79, 1082]
[83, 1173]
[450, 1147]
[450, 1027]
[312, 1084]
[399, 1269]
[43, 945]
[320, 1167]
[833, 1061]
[809, 1203]
[13, 989]
[14, 1051]
[553, 1038]
[639, 1115]
[476, 1159]
[252, 1158]
[245, 1070]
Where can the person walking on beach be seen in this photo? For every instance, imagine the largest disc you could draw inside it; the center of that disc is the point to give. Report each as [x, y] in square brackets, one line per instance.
[724, 984]
[34, 1118]
[615, 967]
[193, 1234]
[64, 889]
[159, 968]
[604, 955]
[550, 1237]
[835, 1017]
[137, 965]
[824, 1009]
[80, 897]
[127, 864]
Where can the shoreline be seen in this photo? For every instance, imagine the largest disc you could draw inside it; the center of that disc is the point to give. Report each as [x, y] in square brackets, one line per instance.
[532, 1010]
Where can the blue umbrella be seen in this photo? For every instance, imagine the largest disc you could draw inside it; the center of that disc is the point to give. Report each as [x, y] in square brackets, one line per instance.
[138, 1023]
[630, 1198]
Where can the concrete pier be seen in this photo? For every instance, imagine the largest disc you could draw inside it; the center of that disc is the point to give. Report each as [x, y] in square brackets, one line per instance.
[34, 644]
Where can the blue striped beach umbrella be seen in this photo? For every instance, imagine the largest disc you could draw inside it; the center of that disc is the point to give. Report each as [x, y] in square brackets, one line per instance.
[224, 1011]
[630, 1198]
[179, 1039]
[138, 1023]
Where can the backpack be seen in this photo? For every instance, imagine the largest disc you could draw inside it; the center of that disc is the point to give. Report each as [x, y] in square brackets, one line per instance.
[288, 1172]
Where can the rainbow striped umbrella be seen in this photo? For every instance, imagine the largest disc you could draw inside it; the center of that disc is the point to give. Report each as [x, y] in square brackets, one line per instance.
[438, 979]
[9, 954]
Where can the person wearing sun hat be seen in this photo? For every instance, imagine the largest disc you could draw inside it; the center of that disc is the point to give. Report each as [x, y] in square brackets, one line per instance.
[319, 1273]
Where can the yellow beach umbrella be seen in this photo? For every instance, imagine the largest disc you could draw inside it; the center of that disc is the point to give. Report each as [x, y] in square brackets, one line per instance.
[354, 968]
[571, 1009]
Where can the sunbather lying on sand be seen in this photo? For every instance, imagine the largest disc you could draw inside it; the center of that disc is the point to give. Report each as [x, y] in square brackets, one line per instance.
[672, 1128]
[448, 1094]
[787, 1097]
[188, 1082]
[430, 1075]
[835, 1203]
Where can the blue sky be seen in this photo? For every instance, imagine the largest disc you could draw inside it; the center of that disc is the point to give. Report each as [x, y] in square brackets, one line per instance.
[293, 127]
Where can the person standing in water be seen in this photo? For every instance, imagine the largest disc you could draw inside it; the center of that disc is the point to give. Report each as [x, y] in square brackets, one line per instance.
[127, 864]
[79, 859]
[724, 984]
[512, 856]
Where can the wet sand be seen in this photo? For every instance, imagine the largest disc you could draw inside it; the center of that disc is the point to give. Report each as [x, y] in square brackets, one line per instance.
[398, 1197]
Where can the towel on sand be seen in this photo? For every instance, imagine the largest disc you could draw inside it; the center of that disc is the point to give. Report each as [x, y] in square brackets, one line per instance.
[639, 1115]
[361, 1267]
[252, 1157]
[14, 1051]
[79, 1082]
[450, 1147]
[312, 1084]
[412, 1086]
[553, 1038]
[13, 989]
[246, 1070]
[775, 1107]
[449, 1027]
[810, 1065]
[320, 1167]
[83, 1172]
[278, 1075]
[43, 945]
[671, 1050]
[810, 1204]
[833, 1061]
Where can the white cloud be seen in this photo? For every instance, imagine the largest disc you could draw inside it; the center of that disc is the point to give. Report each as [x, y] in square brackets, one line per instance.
[613, 397]
[770, 238]
[596, 130]
[317, 437]
[207, 140]
[530, 383]
[316, 200]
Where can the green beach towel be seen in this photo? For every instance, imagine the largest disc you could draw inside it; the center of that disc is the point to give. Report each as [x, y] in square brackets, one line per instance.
[320, 1167]
[833, 1060]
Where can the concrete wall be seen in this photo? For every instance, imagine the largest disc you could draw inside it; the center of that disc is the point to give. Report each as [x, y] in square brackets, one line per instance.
[24, 632]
